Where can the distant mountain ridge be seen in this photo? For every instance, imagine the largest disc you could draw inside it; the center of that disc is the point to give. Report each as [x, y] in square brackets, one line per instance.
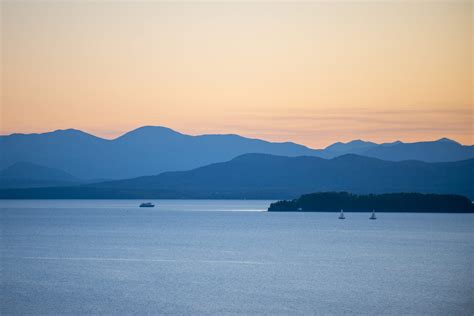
[262, 176]
[154, 149]
[144, 151]
[441, 150]
[25, 174]
[352, 147]
[437, 151]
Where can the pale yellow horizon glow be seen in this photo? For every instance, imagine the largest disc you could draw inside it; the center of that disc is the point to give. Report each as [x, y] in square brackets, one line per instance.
[308, 72]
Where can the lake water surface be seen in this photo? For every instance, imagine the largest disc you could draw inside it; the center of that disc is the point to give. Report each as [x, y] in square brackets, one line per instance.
[228, 257]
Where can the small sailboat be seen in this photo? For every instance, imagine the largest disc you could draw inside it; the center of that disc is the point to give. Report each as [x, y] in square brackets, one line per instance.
[341, 215]
[373, 215]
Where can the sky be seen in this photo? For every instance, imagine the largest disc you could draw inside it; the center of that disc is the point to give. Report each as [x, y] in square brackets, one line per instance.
[309, 72]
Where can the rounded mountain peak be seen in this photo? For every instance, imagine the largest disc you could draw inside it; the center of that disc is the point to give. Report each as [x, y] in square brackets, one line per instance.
[150, 131]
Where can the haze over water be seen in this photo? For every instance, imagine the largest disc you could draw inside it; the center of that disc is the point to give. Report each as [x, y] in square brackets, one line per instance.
[109, 256]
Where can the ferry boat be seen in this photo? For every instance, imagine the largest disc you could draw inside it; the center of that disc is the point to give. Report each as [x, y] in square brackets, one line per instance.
[148, 204]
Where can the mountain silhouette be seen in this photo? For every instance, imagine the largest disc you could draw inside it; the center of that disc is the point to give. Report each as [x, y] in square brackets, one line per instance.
[25, 174]
[441, 150]
[275, 177]
[153, 149]
[353, 147]
[146, 150]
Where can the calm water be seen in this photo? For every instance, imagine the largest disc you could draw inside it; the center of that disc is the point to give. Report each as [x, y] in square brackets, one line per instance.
[227, 257]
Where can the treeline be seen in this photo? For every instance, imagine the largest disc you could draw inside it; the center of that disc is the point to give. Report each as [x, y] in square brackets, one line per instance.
[390, 202]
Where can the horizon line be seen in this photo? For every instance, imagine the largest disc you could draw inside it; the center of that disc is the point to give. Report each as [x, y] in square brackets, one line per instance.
[122, 134]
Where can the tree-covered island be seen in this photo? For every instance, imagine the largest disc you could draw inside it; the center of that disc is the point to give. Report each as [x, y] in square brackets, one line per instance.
[390, 202]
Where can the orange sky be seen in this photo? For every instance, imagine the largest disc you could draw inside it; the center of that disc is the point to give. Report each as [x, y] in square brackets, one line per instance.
[313, 73]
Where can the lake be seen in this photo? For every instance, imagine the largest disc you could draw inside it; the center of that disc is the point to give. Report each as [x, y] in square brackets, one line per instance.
[228, 257]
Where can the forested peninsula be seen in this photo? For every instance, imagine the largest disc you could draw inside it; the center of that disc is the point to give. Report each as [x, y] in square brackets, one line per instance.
[390, 202]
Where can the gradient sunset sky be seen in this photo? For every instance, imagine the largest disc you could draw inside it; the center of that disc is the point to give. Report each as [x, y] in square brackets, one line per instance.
[310, 72]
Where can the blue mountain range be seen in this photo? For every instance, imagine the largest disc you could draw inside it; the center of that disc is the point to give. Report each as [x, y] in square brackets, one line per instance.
[263, 176]
[151, 150]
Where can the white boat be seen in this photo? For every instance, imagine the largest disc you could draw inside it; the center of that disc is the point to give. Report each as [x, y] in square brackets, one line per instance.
[373, 215]
[341, 215]
[148, 204]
